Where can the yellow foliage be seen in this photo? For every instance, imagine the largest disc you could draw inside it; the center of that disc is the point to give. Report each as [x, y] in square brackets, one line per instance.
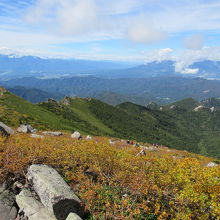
[155, 186]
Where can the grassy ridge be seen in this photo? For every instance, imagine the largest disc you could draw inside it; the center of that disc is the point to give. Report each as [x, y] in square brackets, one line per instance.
[180, 127]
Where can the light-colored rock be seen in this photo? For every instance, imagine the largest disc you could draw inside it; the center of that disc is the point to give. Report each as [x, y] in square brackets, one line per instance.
[3, 187]
[66, 100]
[53, 133]
[73, 216]
[5, 129]
[172, 106]
[198, 108]
[36, 136]
[7, 210]
[76, 135]
[211, 164]
[53, 191]
[88, 138]
[212, 109]
[111, 142]
[32, 208]
[26, 129]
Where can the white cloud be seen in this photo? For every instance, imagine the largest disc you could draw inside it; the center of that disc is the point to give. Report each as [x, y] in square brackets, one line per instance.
[50, 23]
[158, 55]
[181, 67]
[188, 57]
[143, 32]
[194, 42]
[78, 18]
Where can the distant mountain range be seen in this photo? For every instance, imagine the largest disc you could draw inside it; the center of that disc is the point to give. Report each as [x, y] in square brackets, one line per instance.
[16, 67]
[29, 66]
[162, 90]
[184, 126]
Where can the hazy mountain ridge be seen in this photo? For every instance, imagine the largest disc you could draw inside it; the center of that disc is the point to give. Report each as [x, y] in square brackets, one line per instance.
[29, 66]
[158, 89]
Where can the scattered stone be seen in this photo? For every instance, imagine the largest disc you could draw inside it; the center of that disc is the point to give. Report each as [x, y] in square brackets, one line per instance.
[53, 133]
[32, 208]
[73, 216]
[111, 142]
[211, 164]
[53, 191]
[142, 153]
[88, 138]
[26, 129]
[76, 135]
[5, 130]
[36, 136]
[172, 106]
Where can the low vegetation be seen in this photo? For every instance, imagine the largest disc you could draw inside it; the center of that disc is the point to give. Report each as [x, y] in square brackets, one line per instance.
[179, 127]
[115, 183]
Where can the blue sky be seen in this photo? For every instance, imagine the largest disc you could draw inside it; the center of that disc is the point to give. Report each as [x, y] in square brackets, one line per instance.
[131, 30]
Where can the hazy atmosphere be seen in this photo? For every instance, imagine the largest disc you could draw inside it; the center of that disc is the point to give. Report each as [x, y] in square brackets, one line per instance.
[109, 109]
[132, 30]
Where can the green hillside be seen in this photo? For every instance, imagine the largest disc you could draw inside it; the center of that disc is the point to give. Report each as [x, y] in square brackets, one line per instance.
[187, 104]
[180, 128]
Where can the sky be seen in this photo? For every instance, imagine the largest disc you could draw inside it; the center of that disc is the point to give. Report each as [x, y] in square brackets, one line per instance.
[122, 30]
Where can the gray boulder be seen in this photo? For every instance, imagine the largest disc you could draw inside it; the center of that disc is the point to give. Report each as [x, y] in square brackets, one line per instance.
[5, 130]
[53, 191]
[26, 129]
[53, 133]
[32, 208]
[7, 209]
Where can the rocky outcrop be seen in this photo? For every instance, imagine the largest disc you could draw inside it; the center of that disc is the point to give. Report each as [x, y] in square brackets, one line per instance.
[41, 195]
[5, 130]
[53, 133]
[54, 193]
[31, 207]
[66, 101]
[26, 129]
